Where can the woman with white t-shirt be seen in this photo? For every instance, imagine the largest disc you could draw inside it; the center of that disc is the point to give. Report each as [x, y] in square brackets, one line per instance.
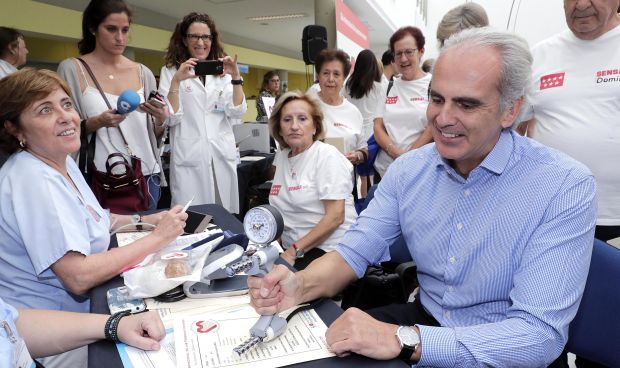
[340, 117]
[312, 181]
[401, 125]
[365, 91]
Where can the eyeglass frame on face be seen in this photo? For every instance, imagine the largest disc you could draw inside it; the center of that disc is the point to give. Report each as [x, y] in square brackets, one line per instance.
[407, 52]
[193, 37]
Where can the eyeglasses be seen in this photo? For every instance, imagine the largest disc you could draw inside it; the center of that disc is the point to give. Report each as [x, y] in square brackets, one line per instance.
[195, 37]
[407, 52]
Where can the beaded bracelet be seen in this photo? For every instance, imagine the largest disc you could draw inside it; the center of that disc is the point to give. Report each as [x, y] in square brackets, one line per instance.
[111, 325]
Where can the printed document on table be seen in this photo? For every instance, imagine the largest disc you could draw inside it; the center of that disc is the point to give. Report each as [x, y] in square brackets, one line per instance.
[137, 358]
[208, 341]
[169, 312]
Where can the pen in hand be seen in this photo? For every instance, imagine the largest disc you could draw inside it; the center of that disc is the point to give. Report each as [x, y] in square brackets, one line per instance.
[187, 205]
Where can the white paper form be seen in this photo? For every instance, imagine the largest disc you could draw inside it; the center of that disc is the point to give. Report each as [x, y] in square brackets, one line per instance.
[137, 358]
[190, 307]
[208, 341]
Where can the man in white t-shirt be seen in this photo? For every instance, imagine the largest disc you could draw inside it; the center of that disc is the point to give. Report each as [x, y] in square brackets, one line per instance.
[575, 99]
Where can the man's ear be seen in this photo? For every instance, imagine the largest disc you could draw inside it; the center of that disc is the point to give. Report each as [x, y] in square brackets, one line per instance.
[512, 112]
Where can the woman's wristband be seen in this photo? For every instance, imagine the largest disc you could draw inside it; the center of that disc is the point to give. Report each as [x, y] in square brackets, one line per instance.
[111, 325]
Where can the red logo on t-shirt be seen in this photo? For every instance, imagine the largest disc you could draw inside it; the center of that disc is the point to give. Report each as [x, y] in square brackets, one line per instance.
[275, 190]
[391, 100]
[552, 80]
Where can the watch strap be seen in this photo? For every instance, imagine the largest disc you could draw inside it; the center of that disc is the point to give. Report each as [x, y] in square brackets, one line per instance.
[406, 352]
[236, 82]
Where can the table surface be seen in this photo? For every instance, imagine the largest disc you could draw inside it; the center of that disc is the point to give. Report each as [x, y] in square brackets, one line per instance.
[104, 353]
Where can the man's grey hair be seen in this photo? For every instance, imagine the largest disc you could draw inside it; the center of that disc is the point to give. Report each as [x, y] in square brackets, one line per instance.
[516, 68]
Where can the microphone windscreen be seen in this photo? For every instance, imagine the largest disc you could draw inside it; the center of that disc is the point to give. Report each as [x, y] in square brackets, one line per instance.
[128, 101]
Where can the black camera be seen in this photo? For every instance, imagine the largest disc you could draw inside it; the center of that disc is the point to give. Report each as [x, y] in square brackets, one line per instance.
[209, 67]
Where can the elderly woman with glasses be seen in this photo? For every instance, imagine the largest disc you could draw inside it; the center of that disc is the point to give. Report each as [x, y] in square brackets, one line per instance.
[401, 123]
[203, 159]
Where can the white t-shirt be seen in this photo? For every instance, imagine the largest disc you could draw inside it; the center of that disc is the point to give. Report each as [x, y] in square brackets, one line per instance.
[404, 115]
[345, 121]
[6, 69]
[575, 98]
[369, 106]
[302, 182]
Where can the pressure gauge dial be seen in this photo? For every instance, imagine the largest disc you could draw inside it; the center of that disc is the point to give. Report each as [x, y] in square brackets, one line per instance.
[263, 224]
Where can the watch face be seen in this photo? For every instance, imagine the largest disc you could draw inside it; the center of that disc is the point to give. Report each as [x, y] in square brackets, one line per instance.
[408, 336]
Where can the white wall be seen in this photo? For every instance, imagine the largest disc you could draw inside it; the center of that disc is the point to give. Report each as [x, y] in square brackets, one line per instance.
[534, 20]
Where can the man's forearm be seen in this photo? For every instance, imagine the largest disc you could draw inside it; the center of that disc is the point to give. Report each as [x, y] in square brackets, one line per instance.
[325, 277]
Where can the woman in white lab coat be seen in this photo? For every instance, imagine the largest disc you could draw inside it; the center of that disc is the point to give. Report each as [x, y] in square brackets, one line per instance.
[203, 153]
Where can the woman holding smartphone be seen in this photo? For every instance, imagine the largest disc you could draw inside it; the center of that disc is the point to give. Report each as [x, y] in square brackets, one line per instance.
[105, 32]
[203, 157]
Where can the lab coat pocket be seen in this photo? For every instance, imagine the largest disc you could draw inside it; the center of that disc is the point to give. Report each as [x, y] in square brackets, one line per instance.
[186, 151]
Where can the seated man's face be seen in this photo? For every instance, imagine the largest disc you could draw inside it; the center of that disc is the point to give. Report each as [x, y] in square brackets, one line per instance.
[464, 109]
[590, 19]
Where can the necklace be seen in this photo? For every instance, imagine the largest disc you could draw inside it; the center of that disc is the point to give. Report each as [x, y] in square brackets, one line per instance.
[292, 162]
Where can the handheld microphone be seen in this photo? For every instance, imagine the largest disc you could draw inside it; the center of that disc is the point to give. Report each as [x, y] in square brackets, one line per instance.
[127, 102]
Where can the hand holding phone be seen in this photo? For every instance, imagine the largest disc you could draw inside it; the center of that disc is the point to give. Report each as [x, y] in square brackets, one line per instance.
[209, 67]
[156, 99]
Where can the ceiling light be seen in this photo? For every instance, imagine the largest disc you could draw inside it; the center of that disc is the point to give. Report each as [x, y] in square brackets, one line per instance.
[278, 17]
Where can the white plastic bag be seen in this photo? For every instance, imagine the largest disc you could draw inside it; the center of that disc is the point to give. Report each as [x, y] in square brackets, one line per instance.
[148, 279]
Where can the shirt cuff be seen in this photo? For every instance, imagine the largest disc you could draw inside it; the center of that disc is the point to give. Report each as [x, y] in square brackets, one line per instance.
[439, 347]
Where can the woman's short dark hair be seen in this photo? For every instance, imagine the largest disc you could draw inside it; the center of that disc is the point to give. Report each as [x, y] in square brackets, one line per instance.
[266, 78]
[327, 55]
[316, 113]
[403, 32]
[365, 73]
[177, 51]
[18, 91]
[94, 14]
[8, 36]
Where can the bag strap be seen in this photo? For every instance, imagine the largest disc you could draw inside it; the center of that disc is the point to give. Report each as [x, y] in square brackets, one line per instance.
[105, 98]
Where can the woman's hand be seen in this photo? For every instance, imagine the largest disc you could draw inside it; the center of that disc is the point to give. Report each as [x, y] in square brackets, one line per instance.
[185, 71]
[160, 114]
[355, 157]
[170, 225]
[143, 330]
[289, 255]
[154, 218]
[107, 119]
[231, 67]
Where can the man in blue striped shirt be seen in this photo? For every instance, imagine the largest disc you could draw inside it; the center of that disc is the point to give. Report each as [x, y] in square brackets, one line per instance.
[500, 228]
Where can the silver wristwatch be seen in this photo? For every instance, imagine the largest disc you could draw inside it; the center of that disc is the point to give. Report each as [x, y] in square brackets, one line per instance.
[409, 340]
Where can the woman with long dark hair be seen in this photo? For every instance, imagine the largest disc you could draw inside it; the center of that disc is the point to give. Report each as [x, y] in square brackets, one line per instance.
[365, 91]
[269, 89]
[105, 33]
[203, 160]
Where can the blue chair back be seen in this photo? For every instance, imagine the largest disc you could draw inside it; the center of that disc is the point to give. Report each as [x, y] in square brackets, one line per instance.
[399, 252]
[595, 332]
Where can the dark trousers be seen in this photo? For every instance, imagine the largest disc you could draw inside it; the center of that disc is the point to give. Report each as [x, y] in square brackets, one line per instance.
[414, 313]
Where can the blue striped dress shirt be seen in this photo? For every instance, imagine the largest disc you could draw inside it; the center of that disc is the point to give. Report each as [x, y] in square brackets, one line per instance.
[502, 255]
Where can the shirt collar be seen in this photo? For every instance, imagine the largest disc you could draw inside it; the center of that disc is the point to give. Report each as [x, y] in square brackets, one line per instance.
[7, 68]
[495, 161]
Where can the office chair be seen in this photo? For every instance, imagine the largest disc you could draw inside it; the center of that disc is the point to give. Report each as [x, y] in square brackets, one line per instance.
[594, 334]
[387, 283]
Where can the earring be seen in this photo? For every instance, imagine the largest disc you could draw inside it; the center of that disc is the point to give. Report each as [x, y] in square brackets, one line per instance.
[22, 144]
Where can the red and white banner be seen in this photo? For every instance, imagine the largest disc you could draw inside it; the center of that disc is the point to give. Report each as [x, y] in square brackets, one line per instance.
[351, 33]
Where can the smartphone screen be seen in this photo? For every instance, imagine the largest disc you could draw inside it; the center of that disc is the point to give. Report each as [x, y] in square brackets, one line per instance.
[209, 67]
